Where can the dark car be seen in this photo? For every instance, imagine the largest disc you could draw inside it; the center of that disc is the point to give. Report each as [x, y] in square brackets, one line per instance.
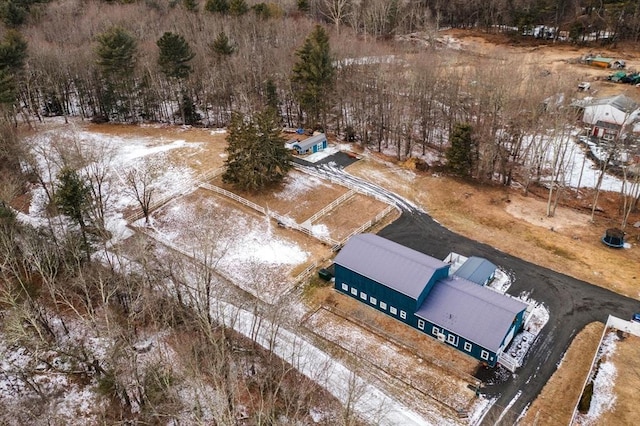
[636, 317]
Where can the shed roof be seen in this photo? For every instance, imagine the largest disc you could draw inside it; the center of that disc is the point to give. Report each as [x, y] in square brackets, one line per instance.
[476, 313]
[620, 102]
[476, 269]
[391, 264]
[309, 142]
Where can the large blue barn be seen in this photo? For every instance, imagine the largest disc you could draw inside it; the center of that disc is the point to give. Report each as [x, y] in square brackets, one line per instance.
[417, 289]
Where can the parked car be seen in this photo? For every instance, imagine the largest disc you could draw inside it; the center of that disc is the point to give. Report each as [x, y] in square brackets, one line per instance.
[636, 317]
[584, 86]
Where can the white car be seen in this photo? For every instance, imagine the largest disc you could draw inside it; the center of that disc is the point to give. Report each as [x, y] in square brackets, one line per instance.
[584, 86]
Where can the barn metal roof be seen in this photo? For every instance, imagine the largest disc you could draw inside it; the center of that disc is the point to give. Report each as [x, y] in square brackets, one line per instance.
[393, 265]
[476, 269]
[476, 313]
[620, 102]
[309, 142]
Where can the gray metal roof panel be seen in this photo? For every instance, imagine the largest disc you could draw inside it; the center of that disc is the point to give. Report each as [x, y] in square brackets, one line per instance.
[391, 264]
[473, 312]
[621, 102]
[476, 269]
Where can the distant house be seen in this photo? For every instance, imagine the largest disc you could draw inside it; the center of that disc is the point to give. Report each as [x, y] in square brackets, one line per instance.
[417, 290]
[477, 270]
[311, 145]
[607, 116]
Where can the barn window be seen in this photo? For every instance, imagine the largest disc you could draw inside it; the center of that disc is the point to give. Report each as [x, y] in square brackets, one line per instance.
[452, 339]
[421, 324]
[484, 354]
[435, 331]
[383, 305]
[363, 295]
[373, 300]
[354, 291]
[467, 346]
[345, 287]
[403, 315]
[393, 310]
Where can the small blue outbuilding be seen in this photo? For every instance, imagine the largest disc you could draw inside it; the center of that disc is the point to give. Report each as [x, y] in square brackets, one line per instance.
[311, 145]
[418, 290]
[477, 270]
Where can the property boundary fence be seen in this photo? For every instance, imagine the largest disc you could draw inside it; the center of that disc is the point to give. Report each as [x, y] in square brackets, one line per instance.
[612, 323]
[342, 183]
[288, 222]
[365, 226]
[183, 189]
[436, 398]
[344, 197]
[432, 360]
[234, 197]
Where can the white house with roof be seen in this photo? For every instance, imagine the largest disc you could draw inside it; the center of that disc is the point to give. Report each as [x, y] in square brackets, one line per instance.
[418, 290]
[606, 117]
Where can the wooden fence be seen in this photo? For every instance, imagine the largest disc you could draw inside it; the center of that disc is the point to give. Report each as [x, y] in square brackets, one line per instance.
[183, 189]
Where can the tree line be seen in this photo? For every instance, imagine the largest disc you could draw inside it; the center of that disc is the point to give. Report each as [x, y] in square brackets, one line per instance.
[200, 64]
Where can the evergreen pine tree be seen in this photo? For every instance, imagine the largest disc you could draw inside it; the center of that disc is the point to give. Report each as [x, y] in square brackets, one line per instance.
[174, 57]
[116, 51]
[303, 5]
[73, 197]
[462, 151]
[217, 6]
[13, 53]
[188, 109]
[190, 5]
[261, 10]
[221, 46]
[13, 14]
[238, 7]
[271, 95]
[257, 157]
[313, 76]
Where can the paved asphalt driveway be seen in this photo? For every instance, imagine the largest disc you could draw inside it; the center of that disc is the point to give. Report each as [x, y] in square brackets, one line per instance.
[571, 303]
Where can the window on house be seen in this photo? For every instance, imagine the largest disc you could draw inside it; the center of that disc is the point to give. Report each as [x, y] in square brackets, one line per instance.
[393, 310]
[403, 315]
[383, 305]
[363, 295]
[373, 300]
[354, 291]
[421, 324]
[484, 354]
[435, 331]
[467, 346]
[452, 339]
[345, 287]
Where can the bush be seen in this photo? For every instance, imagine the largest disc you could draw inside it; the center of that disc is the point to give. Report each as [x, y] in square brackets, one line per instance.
[585, 399]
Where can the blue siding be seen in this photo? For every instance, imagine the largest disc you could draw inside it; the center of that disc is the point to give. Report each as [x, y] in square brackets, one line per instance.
[475, 350]
[372, 293]
[379, 292]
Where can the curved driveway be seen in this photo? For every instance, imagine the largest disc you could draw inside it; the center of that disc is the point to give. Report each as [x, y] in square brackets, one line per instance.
[571, 303]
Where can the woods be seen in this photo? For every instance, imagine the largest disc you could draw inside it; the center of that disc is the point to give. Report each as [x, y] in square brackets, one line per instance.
[197, 64]
[340, 66]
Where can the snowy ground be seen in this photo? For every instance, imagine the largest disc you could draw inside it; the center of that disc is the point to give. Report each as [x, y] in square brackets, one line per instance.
[604, 397]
